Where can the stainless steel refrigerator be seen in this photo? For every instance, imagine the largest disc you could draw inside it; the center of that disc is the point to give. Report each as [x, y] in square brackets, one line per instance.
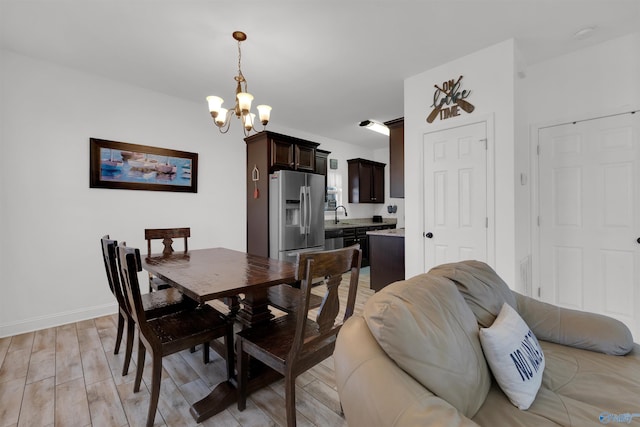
[296, 214]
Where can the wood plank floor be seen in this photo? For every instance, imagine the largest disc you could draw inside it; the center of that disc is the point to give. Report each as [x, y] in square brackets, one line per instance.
[69, 376]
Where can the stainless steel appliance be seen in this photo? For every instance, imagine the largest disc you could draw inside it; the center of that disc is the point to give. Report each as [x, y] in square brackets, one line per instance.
[334, 239]
[296, 213]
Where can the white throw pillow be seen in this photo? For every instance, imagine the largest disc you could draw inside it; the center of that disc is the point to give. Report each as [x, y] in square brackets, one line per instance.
[514, 356]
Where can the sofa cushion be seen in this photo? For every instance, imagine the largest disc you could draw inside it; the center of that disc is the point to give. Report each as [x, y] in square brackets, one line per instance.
[426, 327]
[574, 328]
[578, 387]
[514, 356]
[481, 287]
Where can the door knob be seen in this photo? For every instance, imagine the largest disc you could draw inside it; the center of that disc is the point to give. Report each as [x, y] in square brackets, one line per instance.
[638, 240]
[428, 235]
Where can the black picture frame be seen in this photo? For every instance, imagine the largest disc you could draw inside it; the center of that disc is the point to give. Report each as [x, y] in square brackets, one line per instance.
[125, 166]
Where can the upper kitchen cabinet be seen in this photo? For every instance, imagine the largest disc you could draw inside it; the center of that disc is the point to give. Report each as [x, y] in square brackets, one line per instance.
[366, 181]
[286, 152]
[396, 157]
[322, 159]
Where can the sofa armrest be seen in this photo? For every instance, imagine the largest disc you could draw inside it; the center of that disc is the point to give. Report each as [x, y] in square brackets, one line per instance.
[374, 391]
[589, 331]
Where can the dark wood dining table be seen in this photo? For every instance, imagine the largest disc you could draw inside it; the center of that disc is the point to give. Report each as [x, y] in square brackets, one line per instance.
[218, 273]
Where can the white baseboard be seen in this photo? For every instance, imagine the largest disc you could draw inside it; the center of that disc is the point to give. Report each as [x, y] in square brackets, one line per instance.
[43, 322]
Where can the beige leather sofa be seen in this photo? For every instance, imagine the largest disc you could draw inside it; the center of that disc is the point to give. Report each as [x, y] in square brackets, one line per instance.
[414, 358]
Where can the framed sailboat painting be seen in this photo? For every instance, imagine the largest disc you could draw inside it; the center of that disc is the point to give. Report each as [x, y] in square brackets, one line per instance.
[127, 166]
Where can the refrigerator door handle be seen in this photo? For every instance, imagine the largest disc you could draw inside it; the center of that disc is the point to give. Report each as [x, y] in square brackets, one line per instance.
[303, 211]
[309, 210]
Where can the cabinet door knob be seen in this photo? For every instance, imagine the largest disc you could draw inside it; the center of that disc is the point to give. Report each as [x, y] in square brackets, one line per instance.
[428, 235]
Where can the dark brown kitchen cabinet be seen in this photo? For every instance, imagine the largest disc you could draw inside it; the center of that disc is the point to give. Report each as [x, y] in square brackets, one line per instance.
[359, 235]
[268, 152]
[386, 258]
[281, 155]
[396, 157]
[366, 181]
[286, 152]
[322, 158]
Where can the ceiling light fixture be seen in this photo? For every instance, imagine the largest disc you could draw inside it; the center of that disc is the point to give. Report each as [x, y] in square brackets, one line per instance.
[583, 33]
[222, 117]
[375, 126]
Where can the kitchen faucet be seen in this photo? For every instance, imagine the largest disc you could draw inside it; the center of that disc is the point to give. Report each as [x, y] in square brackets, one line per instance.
[336, 212]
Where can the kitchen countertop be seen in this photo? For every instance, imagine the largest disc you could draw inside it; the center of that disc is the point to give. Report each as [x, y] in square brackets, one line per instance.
[392, 232]
[357, 222]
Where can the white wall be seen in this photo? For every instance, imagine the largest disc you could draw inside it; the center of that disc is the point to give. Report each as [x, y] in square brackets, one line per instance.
[588, 83]
[51, 270]
[489, 74]
[52, 221]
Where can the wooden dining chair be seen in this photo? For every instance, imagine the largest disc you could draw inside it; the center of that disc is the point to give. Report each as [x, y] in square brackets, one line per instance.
[293, 344]
[287, 298]
[166, 235]
[157, 304]
[171, 333]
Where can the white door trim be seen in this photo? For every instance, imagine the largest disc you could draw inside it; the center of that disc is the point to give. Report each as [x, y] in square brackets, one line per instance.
[489, 120]
[534, 138]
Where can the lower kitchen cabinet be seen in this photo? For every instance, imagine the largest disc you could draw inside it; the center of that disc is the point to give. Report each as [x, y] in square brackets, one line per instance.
[386, 256]
[359, 235]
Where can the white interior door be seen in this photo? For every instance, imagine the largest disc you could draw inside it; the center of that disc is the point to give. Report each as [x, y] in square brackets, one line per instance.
[455, 199]
[589, 202]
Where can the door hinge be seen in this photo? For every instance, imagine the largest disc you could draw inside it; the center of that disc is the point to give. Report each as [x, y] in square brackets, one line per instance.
[539, 293]
[538, 149]
[486, 222]
[485, 142]
[538, 220]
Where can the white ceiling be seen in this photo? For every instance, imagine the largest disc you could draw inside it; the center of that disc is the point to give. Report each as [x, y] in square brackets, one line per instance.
[322, 65]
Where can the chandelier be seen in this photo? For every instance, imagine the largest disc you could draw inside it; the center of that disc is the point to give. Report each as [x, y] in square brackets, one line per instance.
[222, 116]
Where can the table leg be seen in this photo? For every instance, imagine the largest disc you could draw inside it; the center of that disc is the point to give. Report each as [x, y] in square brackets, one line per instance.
[255, 308]
[226, 394]
[234, 306]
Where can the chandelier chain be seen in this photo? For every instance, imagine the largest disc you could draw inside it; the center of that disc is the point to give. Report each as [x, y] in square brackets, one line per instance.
[242, 79]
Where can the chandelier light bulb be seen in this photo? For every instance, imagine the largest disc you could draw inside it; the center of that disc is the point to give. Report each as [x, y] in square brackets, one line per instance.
[248, 121]
[215, 103]
[244, 102]
[221, 117]
[264, 111]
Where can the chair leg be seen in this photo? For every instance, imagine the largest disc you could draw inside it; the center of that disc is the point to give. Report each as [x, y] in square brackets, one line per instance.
[119, 335]
[156, 377]
[192, 350]
[141, 353]
[131, 330]
[243, 367]
[228, 345]
[205, 352]
[290, 395]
